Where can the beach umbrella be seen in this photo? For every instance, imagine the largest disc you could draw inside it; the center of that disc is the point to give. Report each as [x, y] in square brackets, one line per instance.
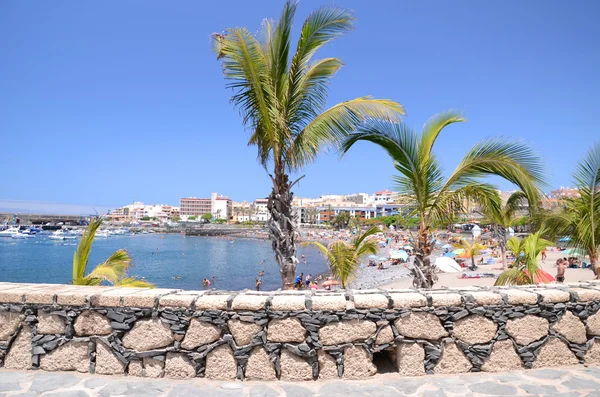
[448, 246]
[408, 247]
[541, 277]
[399, 255]
[490, 261]
[447, 265]
[575, 252]
[458, 251]
[450, 255]
[373, 257]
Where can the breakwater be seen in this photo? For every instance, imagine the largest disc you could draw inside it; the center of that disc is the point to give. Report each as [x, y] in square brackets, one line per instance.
[296, 335]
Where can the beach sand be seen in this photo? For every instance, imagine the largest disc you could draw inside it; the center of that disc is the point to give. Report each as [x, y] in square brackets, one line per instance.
[451, 280]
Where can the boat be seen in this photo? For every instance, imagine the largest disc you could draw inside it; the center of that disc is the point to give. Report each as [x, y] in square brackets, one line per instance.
[20, 236]
[9, 232]
[57, 235]
[101, 234]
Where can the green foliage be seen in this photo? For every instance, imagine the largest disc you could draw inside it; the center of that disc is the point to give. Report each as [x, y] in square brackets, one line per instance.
[145, 218]
[176, 218]
[471, 248]
[206, 217]
[192, 218]
[113, 270]
[220, 220]
[341, 220]
[343, 258]
[525, 269]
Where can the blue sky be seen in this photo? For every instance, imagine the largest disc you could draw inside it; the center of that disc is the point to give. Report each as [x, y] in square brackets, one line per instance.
[103, 102]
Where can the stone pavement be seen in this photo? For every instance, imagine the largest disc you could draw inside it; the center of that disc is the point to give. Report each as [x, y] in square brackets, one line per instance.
[576, 381]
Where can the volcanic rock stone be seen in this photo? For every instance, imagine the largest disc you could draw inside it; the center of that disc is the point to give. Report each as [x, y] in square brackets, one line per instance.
[9, 321]
[357, 363]
[475, 329]
[92, 323]
[286, 330]
[453, 361]
[221, 364]
[294, 367]
[592, 356]
[153, 368]
[554, 353]
[421, 325]
[593, 324]
[571, 328]
[72, 356]
[19, 355]
[327, 366]
[385, 336]
[106, 362]
[346, 332]
[199, 333]
[410, 358]
[178, 366]
[503, 358]
[259, 367]
[243, 331]
[135, 368]
[148, 335]
[50, 324]
[527, 329]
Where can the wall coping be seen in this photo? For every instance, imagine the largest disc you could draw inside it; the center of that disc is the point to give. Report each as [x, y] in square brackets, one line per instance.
[84, 296]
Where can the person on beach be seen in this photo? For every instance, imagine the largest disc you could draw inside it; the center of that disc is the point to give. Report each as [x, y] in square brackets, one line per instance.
[543, 256]
[307, 280]
[560, 272]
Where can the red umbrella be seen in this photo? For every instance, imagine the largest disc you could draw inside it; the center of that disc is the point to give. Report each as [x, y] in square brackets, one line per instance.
[541, 276]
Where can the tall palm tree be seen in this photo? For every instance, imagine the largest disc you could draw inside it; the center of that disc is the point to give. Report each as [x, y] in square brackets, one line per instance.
[112, 270]
[282, 97]
[343, 257]
[580, 217]
[526, 269]
[471, 249]
[436, 199]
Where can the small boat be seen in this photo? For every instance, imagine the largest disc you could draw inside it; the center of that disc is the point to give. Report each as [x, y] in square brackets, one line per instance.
[101, 234]
[57, 235]
[20, 236]
[12, 231]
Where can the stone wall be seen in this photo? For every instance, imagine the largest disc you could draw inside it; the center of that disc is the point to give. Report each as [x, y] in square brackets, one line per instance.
[295, 335]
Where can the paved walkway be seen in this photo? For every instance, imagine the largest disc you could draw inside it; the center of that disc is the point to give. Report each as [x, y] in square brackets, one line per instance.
[569, 382]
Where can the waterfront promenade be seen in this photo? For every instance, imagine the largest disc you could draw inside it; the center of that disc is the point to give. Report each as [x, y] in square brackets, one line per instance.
[577, 381]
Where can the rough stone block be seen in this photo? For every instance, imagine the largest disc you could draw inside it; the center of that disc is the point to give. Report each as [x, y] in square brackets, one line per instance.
[242, 331]
[421, 325]
[410, 358]
[475, 329]
[154, 368]
[554, 353]
[587, 295]
[286, 330]
[177, 300]
[520, 297]
[453, 361]
[19, 355]
[486, 298]
[329, 302]
[178, 366]
[212, 302]
[200, 333]
[357, 363]
[249, 302]
[9, 322]
[106, 362]
[593, 324]
[445, 299]
[592, 356]
[91, 323]
[503, 358]
[385, 335]
[527, 329]
[553, 295]
[571, 328]
[148, 335]
[80, 295]
[145, 297]
[135, 368]
[346, 332]
[221, 364]
[370, 301]
[14, 295]
[112, 297]
[327, 366]
[294, 368]
[288, 302]
[72, 356]
[408, 299]
[50, 324]
[259, 366]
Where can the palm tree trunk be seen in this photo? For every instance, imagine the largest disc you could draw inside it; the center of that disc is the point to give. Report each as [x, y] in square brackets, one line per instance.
[282, 228]
[423, 270]
[594, 262]
[503, 253]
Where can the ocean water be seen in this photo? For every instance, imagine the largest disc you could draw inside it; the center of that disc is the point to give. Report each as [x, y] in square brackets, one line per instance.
[234, 263]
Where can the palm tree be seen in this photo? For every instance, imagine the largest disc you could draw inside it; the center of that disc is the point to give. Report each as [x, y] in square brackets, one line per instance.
[580, 217]
[355, 223]
[341, 220]
[343, 257]
[113, 270]
[525, 270]
[282, 97]
[502, 217]
[471, 249]
[435, 199]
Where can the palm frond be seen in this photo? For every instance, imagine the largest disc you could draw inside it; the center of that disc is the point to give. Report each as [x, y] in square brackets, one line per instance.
[513, 277]
[279, 49]
[361, 237]
[134, 283]
[433, 127]
[82, 253]
[114, 268]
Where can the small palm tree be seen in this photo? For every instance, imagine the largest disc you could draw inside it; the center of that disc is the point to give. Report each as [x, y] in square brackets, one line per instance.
[435, 199]
[580, 217]
[525, 269]
[471, 249]
[343, 257]
[355, 223]
[113, 270]
[282, 96]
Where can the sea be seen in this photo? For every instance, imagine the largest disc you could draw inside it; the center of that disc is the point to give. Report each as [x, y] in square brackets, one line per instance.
[166, 260]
